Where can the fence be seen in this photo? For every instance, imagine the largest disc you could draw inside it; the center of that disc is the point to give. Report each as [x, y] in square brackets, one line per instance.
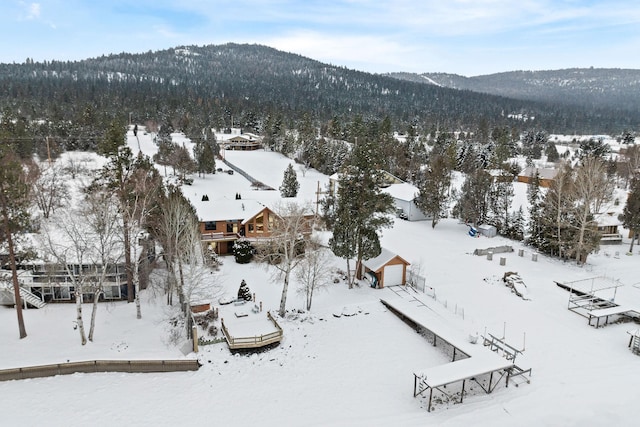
[416, 281]
[131, 366]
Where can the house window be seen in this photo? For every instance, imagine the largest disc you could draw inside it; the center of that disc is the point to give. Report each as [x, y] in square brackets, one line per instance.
[260, 223]
[251, 228]
[210, 225]
[232, 227]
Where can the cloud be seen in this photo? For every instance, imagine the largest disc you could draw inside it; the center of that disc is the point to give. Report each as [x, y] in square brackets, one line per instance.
[33, 11]
[375, 53]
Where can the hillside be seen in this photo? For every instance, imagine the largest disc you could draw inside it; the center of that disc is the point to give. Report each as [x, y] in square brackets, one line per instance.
[616, 89]
[244, 84]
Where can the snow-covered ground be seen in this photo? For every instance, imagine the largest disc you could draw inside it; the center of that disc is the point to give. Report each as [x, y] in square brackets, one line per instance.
[337, 370]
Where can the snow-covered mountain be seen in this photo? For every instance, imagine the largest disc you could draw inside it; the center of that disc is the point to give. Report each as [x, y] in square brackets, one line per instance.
[614, 88]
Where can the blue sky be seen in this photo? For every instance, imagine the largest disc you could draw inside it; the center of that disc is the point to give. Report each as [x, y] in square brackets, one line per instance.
[467, 37]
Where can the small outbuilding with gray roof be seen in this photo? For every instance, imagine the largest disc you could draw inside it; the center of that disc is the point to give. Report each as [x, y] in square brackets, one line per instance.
[387, 269]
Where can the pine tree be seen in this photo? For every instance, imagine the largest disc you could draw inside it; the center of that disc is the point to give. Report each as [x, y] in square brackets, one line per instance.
[555, 220]
[517, 224]
[361, 208]
[14, 212]
[500, 197]
[290, 184]
[534, 198]
[205, 157]
[244, 293]
[433, 197]
[631, 214]
[473, 204]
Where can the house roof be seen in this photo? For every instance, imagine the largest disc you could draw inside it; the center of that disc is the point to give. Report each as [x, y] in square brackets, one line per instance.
[544, 173]
[607, 219]
[227, 209]
[404, 191]
[381, 260]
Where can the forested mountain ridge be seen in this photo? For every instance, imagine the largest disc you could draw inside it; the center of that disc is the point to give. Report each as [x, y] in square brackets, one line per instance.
[231, 84]
[614, 88]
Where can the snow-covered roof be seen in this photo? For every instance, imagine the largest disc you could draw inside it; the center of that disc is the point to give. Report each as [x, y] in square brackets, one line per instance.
[404, 191]
[486, 227]
[607, 219]
[381, 260]
[544, 173]
[227, 209]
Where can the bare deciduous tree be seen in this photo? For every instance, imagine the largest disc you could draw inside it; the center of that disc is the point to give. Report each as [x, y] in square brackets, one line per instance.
[314, 272]
[102, 218]
[144, 188]
[591, 188]
[68, 246]
[49, 189]
[285, 247]
[176, 228]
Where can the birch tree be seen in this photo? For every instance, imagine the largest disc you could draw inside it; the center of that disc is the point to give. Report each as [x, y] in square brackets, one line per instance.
[314, 272]
[284, 249]
[141, 200]
[101, 215]
[67, 246]
[136, 184]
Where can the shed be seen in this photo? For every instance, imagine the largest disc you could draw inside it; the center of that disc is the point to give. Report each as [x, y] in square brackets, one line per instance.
[388, 269]
[488, 230]
[404, 196]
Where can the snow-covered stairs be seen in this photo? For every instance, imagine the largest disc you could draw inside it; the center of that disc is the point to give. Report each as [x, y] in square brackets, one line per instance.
[31, 298]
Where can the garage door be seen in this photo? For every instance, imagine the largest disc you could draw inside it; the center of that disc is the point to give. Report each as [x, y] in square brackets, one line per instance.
[393, 275]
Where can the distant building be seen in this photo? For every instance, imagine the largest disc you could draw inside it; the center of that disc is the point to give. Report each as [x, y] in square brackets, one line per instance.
[608, 224]
[238, 140]
[546, 175]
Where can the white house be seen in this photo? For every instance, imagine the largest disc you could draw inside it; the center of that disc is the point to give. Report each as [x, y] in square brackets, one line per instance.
[404, 196]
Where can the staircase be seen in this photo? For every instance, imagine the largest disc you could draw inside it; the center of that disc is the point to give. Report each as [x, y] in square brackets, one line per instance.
[31, 299]
[635, 344]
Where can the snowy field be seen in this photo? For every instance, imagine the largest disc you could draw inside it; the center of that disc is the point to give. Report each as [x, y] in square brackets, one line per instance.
[349, 362]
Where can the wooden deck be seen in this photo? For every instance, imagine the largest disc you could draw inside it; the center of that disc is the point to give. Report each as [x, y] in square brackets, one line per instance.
[239, 335]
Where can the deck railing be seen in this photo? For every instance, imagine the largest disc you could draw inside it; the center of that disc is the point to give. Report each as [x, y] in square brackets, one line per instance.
[255, 341]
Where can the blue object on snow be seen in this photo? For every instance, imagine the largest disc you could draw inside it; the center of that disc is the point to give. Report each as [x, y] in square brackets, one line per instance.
[472, 232]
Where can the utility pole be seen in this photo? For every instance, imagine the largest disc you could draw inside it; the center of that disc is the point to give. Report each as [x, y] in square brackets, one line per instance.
[48, 151]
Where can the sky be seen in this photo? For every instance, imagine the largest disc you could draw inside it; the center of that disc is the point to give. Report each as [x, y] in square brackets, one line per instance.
[466, 37]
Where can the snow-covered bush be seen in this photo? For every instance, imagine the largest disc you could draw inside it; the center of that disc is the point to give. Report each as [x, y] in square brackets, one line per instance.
[243, 251]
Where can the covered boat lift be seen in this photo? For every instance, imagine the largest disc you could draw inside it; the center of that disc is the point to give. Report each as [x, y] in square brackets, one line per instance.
[469, 361]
